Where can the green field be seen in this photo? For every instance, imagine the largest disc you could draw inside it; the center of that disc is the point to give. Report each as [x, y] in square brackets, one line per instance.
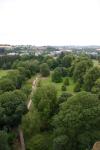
[3, 73]
[96, 63]
[48, 81]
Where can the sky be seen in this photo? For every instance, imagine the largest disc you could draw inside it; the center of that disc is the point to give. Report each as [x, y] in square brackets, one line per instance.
[50, 22]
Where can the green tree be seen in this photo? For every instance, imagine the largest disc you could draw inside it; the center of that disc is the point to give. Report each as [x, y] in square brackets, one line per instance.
[67, 60]
[16, 77]
[63, 88]
[63, 97]
[45, 101]
[52, 63]
[91, 76]
[6, 85]
[66, 81]
[40, 142]
[44, 70]
[13, 107]
[96, 87]
[31, 124]
[78, 119]
[4, 141]
[57, 75]
[60, 143]
[77, 87]
[80, 70]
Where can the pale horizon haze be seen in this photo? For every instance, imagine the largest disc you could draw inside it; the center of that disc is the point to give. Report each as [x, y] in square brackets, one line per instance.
[50, 22]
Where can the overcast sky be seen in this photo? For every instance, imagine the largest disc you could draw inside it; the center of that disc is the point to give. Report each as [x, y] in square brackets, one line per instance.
[50, 22]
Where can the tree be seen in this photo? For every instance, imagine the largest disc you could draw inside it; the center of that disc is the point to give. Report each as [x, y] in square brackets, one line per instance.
[67, 60]
[63, 97]
[91, 76]
[4, 141]
[45, 102]
[80, 70]
[66, 81]
[64, 71]
[44, 70]
[16, 77]
[96, 87]
[27, 89]
[6, 85]
[57, 75]
[79, 120]
[60, 143]
[63, 88]
[52, 63]
[77, 87]
[31, 124]
[12, 107]
[40, 142]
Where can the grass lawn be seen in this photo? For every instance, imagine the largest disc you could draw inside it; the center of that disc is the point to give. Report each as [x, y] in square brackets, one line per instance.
[96, 63]
[47, 81]
[4, 73]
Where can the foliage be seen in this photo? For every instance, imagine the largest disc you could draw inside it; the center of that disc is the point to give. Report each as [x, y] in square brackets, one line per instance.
[91, 76]
[7, 61]
[80, 69]
[60, 143]
[45, 101]
[27, 89]
[40, 142]
[77, 87]
[63, 97]
[67, 60]
[6, 85]
[66, 81]
[4, 145]
[78, 119]
[52, 63]
[63, 88]
[96, 87]
[31, 124]
[12, 107]
[57, 75]
[44, 70]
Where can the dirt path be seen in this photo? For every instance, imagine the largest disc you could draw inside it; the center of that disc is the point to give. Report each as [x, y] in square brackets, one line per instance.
[22, 143]
[34, 84]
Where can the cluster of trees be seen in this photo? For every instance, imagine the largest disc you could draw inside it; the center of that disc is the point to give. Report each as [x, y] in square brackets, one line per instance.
[13, 98]
[69, 121]
[55, 122]
[6, 61]
[64, 122]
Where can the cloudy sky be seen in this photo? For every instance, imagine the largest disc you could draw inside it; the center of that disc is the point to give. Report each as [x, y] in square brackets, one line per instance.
[50, 22]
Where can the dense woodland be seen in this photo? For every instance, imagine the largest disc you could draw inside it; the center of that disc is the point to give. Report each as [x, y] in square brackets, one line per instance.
[58, 119]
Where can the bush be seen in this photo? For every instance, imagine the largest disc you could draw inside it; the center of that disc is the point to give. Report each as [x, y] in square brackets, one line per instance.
[77, 87]
[63, 97]
[63, 87]
[66, 81]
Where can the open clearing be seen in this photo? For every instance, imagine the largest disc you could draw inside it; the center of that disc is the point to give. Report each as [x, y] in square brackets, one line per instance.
[48, 81]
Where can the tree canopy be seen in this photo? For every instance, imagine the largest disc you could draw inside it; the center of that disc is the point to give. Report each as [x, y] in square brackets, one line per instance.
[78, 122]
